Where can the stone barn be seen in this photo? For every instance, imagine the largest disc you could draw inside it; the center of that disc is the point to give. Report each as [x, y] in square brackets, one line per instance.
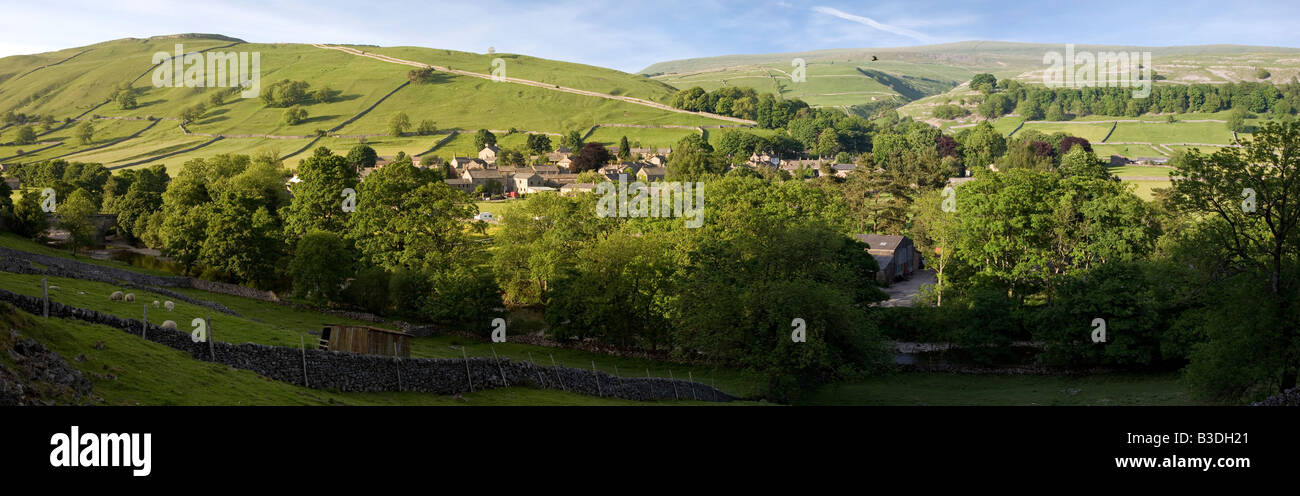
[897, 257]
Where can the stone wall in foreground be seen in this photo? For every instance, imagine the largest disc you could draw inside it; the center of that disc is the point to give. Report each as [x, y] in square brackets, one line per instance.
[353, 372]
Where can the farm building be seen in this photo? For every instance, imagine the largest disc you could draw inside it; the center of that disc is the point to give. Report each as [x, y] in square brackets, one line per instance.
[365, 340]
[897, 257]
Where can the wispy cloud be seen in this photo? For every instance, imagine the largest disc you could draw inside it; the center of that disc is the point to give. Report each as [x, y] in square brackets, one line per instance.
[867, 21]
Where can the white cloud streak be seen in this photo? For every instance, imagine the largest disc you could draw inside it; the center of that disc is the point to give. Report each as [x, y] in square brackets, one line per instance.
[867, 21]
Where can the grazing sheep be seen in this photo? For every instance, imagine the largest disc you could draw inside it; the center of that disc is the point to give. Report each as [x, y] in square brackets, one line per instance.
[169, 305]
[130, 297]
[156, 304]
[168, 324]
[116, 296]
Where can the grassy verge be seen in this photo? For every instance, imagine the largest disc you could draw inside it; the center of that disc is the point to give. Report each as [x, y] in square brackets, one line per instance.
[127, 370]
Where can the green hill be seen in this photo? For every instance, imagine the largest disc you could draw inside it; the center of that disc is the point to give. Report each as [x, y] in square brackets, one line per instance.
[79, 83]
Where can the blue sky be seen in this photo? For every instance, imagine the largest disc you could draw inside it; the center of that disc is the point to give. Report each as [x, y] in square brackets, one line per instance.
[631, 34]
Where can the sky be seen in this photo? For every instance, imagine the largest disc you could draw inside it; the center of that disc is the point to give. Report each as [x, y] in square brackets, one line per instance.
[631, 34]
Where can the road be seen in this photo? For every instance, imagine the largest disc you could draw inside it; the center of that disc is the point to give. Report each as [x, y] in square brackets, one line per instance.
[901, 292]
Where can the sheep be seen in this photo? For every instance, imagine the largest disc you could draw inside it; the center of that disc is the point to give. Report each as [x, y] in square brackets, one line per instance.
[130, 297]
[54, 288]
[156, 304]
[116, 296]
[169, 324]
[169, 305]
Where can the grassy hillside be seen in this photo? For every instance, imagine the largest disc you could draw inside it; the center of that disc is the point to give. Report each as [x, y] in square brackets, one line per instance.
[73, 82]
[127, 370]
[833, 79]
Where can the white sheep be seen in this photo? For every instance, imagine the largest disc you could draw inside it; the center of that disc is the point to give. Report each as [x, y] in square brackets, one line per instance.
[130, 297]
[116, 296]
[169, 324]
[169, 305]
[156, 304]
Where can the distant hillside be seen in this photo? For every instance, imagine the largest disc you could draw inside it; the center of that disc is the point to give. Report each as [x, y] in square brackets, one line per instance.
[849, 76]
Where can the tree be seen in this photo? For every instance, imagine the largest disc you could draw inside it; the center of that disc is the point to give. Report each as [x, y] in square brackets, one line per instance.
[1250, 197]
[321, 262]
[692, 159]
[934, 228]
[74, 215]
[985, 83]
[398, 124]
[539, 144]
[408, 218]
[624, 149]
[318, 198]
[828, 143]
[592, 156]
[26, 136]
[125, 99]
[295, 115]
[426, 128]
[86, 132]
[194, 112]
[1081, 162]
[29, 220]
[483, 138]
[571, 140]
[983, 145]
[242, 239]
[362, 156]
[1236, 120]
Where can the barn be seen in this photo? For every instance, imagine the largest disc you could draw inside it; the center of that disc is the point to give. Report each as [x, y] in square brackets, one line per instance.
[365, 340]
[897, 257]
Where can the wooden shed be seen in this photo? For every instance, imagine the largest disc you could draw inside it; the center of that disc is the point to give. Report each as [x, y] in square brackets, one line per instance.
[365, 339]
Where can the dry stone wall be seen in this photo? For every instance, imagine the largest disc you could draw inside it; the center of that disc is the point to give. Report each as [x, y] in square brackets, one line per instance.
[353, 372]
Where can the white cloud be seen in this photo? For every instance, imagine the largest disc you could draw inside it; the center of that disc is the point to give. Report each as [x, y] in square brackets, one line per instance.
[874, 24]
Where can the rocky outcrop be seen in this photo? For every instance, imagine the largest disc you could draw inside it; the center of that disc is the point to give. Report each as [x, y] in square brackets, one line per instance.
[39, 376]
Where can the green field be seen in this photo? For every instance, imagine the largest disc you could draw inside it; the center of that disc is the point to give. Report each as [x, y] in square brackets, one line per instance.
[1091, 132]
[1177, 132]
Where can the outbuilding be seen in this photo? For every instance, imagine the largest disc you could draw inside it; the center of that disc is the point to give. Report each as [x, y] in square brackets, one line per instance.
[365, 340]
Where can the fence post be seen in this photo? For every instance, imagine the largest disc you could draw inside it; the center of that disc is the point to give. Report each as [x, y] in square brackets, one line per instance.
[540, 381]
[596, 374]
[467, 377]
[45, 296]
[691, 375]
[557, 374]
[674, 382]
[302, 347]
[144, 323]
[504, 382]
